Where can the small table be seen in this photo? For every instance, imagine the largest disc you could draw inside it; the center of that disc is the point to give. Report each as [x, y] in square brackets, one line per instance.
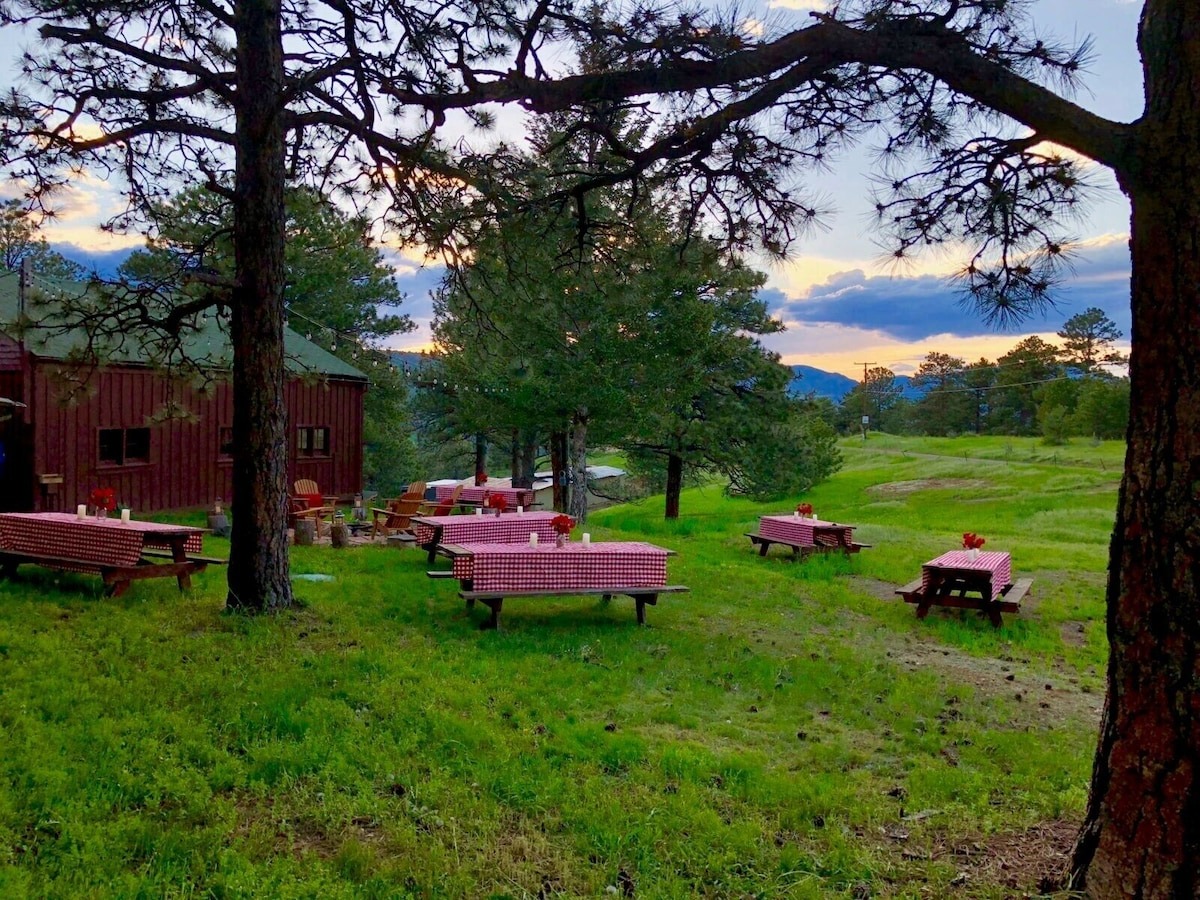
[435, 531]
[120, 552]
[490, 572]
[803, 535]
[955, 580]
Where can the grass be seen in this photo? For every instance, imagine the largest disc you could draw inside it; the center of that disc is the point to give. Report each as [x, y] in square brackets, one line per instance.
[783, 730]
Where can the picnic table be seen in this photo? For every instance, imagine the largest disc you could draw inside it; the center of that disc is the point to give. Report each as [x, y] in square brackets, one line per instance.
[803, 535]
[488, 573]
[955, 580]
[473, 496]
[434, 532]
[120, 552]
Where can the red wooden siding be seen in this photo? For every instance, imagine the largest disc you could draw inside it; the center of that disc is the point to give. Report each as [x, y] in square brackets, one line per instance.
[184, 468]
[10, 358]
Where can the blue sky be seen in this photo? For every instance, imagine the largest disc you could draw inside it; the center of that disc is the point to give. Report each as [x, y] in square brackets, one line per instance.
[840, 303]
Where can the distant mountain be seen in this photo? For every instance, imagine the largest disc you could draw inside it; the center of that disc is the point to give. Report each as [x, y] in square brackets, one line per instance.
[808, 380]
[835, 386]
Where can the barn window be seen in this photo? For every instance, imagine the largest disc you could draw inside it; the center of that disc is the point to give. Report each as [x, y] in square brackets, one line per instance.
[124, 446]
[312, 440]
[225, 441]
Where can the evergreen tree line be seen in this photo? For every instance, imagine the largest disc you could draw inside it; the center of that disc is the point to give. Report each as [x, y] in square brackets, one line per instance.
[1037, 388]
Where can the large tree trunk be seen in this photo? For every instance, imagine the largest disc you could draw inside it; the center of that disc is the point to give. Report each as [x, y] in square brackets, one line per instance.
[1141, 836]
[577, 502]
[674, 484]
[480, 458]
[258, 553]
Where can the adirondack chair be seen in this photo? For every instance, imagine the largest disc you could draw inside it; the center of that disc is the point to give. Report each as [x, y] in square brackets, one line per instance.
[309, 503]
[443, 507]
[398, 515]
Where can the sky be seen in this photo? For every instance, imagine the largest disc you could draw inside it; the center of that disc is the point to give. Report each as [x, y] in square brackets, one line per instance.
[841, 302]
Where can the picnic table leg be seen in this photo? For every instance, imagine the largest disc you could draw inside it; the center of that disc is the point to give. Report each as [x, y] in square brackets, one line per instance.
[493, 621]
[763, 546]
[179, 554]
[114, 587]
[432, 548]
[642, 602]
[923, 608]
[9, 569]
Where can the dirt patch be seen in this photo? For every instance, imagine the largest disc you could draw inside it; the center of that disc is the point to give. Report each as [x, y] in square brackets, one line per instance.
[873, 587]
[1049, 699]
[1073, 634]
[904, 488]
[1032, 861]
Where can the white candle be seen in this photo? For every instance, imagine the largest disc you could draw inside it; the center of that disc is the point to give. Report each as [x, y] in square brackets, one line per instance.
[81, 511]
[520, 510]
[125, 517]
[587, 539]
[795, 515]
[478, 511]
[533, 539]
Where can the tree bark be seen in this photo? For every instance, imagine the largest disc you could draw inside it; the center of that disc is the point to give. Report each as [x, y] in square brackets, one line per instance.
[480, 457]
[558, 466]
[674, 484]
[577, 502]
[258, 552]
[1141, 835]
[526, 459]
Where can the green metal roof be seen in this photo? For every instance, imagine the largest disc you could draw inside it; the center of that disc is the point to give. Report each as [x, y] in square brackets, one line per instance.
[206, 346]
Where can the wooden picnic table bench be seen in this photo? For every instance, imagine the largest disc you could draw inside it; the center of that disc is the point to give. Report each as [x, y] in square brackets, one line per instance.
[490, 573]
[957, 582]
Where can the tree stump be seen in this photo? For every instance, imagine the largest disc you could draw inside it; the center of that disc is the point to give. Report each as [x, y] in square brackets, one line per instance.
[305, 533]
[339, 535]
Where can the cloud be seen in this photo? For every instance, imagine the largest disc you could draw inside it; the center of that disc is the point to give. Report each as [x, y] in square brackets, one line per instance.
[915, 308]
[799, 4]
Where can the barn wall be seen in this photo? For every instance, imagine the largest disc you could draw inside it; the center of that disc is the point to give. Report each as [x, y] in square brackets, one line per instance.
[10, 358]
[185, 468]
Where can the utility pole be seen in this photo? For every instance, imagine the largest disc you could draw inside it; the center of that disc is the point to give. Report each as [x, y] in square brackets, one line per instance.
[866, 419]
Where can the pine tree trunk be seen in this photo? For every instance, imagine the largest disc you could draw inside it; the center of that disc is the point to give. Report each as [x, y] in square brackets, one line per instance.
[578, 499]
[558, 466]
[674, 484]
[480, 456]
[526, 459]
[258, 553]
[1141, 836]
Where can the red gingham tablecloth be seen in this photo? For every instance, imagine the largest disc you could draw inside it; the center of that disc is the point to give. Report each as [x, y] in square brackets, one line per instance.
[101, 542]
[485, 529]
[514, 496]
[997, 562]
[796, 530]
[519, 567]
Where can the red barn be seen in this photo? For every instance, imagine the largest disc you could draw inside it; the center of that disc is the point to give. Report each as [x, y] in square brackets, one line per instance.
[55, 450]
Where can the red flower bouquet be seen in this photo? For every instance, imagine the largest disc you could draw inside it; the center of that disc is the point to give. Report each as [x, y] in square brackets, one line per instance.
[481, 478]
[562, 524]
[498, 502]
[804, 509]
[972, 541]
[103, 499]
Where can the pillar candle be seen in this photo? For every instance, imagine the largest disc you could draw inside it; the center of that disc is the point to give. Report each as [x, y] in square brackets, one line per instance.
[125, 517]
[81, 511]
[587, 539]
[533, 539]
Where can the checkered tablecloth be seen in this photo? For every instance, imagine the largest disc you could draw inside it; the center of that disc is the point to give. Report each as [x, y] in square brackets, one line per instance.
[998, 563]
[486, 529]
[796, 530]
[514, 496]
[519, 567]
[100, 542]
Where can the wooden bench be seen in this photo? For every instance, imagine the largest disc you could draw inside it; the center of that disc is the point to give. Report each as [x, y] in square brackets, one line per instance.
[1009, 600]
[494, 600]
[764, 544]
[116, 578]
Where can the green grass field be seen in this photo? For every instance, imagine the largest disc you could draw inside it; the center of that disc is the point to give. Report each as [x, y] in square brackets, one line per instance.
[785, 729]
